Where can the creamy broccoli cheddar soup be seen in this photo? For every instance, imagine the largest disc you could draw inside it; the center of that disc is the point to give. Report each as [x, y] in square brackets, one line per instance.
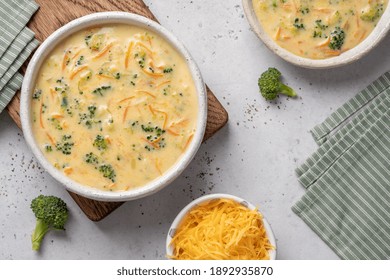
[318, 29]
[114, 107]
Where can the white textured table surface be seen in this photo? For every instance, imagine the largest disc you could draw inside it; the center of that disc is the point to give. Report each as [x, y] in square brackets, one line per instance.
[253, 157]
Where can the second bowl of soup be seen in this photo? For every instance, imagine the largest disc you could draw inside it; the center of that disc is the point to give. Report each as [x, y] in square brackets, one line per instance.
[113, 106]
[319, 33]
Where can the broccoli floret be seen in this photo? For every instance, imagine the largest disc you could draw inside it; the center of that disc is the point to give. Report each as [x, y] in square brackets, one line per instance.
[95, 41]
[37, 94]
[80, 61]
[337, 38]
[51, 213]
[374, 13]
[101, 90]
[65, 146]
[298, 24]
[91, 158]
[107, 171]
[270, 85]
[168, 70]
[320, 25]
[48, 148]
[100, 143]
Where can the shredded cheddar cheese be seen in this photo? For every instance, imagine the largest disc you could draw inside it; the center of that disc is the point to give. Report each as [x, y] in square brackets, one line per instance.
[221, 229]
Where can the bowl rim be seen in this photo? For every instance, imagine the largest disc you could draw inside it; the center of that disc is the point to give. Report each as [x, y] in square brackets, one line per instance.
[350, 56]
[99, 19]
[199, 200]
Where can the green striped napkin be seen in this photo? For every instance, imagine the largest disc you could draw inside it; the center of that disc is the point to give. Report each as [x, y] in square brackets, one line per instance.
[347, 202]
[16, 44]
[10, 55]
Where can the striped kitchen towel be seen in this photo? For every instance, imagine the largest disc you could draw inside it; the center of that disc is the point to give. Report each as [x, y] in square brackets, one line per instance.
[347, 202]
[16, 44]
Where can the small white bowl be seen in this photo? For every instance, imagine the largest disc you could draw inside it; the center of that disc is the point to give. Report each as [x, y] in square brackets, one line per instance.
[200, 200]
[45, 49]
[378, 34]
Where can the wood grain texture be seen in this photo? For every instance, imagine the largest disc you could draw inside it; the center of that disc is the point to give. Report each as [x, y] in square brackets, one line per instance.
[54, 14]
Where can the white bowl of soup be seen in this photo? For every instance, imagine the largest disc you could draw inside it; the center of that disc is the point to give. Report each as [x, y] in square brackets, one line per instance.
[220, 227]
[319, 33]
[113, 106]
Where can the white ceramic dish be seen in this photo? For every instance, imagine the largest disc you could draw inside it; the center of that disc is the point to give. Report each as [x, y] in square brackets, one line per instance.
[29, 83]
[184, 212]
[350, 56]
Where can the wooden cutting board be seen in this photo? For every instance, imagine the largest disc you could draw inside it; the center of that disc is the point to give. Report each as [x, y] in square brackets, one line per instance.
[54, 14]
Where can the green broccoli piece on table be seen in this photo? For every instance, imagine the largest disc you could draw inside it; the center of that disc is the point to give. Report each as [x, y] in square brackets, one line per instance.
[337, 38]
[270, 85]
[51, 213]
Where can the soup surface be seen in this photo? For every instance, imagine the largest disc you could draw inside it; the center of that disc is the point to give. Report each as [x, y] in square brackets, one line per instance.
[318, 29]
[114, 107]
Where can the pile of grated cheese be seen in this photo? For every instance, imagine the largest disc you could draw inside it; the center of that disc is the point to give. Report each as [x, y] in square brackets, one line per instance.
[221, 229]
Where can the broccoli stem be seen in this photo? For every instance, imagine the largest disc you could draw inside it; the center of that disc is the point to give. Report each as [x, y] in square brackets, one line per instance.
[41, 229]
[286, 90]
